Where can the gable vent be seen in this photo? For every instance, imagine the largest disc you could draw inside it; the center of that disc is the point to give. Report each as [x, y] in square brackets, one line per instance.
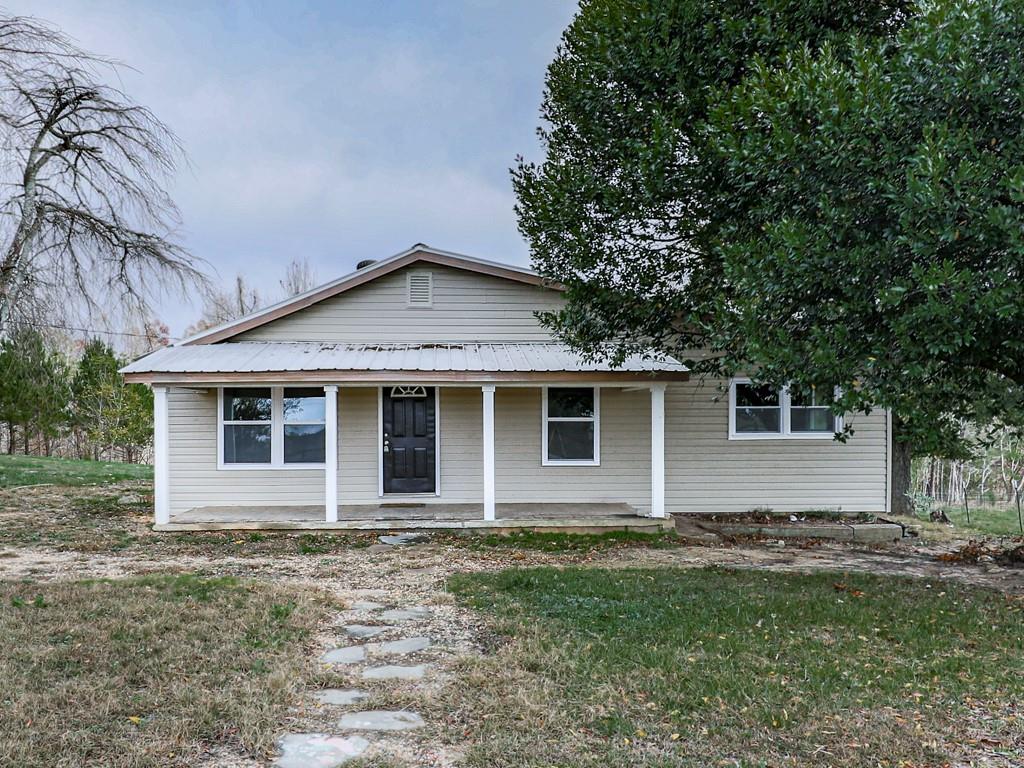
[420, 289]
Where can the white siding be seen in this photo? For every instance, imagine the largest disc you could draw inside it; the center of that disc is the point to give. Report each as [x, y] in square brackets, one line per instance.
[707, 472]
[467, 306]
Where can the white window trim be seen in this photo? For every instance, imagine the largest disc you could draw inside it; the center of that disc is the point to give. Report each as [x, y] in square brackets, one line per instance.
[596, 419]
[276, 432]
[785, 420]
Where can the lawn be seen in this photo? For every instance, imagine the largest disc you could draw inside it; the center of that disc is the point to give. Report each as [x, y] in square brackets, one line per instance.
[44, 470]
[995, 521]
[148, 671]
[672, 667]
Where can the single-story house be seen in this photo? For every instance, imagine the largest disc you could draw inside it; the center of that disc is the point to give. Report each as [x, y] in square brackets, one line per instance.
[421, 390]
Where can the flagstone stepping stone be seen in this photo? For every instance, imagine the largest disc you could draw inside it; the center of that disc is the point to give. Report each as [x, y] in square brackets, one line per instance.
[392, 672]
[407, 645]
[405, 614]
[366, 605]
[318, 750]
[404, 539]
[340, 697]
[363, 630]
[381, 720]
[349, 655]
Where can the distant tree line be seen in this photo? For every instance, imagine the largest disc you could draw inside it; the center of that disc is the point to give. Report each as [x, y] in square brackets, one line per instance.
[51, 404]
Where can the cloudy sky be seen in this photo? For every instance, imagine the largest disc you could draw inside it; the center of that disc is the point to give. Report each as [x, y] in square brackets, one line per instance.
[335, 130]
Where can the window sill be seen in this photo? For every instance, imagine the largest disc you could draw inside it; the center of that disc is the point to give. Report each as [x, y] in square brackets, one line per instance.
[780, 436]
[245, 467]
[583, 463]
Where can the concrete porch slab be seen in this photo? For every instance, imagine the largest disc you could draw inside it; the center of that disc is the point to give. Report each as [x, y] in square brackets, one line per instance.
[406, 516]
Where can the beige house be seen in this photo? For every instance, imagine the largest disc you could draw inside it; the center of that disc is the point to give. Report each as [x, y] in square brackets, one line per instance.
[421, 391]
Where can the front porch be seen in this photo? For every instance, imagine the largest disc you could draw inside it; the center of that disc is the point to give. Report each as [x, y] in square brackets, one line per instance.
[577, 518]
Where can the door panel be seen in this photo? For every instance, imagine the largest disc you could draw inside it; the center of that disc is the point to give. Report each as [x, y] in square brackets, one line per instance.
[410, 448]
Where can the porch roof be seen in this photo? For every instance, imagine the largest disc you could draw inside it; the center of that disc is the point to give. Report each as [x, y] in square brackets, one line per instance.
[293, 361]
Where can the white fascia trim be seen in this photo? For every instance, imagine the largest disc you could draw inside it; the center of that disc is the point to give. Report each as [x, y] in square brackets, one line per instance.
[369, 268]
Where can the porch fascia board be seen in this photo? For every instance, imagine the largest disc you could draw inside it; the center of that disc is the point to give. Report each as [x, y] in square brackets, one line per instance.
[441, 378]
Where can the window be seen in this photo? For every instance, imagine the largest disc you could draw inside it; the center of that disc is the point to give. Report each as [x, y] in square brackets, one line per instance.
[570, 429]
[304, 426]
[247, 426]
[757, 412]
[272, 427]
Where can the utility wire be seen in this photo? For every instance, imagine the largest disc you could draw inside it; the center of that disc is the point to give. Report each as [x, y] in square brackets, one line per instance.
[97, 330]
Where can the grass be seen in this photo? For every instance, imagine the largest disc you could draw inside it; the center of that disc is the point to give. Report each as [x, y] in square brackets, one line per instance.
[147, 671]
[43, 470]
[567, 542]
[673, 667]
[993, 521]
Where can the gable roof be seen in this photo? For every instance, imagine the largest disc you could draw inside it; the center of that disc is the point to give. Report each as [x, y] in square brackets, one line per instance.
[418, 253]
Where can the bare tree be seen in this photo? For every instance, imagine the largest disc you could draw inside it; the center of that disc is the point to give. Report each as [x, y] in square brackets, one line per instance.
[227, 305]
[84, 216]
[299, 277]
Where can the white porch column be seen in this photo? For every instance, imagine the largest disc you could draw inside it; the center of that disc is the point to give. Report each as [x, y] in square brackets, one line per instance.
[488, 392]
[331, 452]
[658, 450]
[161, 449]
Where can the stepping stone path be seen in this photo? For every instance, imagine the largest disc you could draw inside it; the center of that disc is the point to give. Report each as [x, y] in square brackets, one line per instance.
[349, 655]
[361, 631]
[318, 750]
[404, 539]
[397, 647]
[323, 750]
[392, 672]
[381, 720]
[341, 698]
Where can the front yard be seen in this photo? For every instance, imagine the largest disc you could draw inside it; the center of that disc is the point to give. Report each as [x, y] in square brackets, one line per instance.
[123, 647]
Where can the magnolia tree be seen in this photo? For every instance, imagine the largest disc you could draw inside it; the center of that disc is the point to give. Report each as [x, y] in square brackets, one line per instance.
[812, 193]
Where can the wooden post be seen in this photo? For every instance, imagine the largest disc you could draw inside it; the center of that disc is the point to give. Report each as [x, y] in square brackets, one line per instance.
[161, 450]
[331, 452]
[488, 422]
[658, 450]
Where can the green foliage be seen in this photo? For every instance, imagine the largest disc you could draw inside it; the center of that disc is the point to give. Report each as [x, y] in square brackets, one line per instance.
[34, 388]
[40, 470]
[815, 192]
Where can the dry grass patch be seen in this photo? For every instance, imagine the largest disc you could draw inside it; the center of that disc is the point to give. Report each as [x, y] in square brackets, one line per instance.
[148, 671]
[674, 667]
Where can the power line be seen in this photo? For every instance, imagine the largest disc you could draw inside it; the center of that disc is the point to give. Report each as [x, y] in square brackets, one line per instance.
[97, 330]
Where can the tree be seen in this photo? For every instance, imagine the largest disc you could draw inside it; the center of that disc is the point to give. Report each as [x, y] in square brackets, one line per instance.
[299, 277]
[834, 208]
[35, 390]
[85, 216]
[113, 416]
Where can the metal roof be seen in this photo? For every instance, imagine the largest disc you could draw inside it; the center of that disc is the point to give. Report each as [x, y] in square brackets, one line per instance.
[270, 357]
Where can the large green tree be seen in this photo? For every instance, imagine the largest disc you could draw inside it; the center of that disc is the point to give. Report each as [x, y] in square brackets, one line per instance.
[34, 389]
[815, 192]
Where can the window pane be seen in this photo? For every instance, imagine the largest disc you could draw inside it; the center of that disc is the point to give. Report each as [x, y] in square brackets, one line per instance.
[570, 440]
[247, 404]
[304, 444]
[747, 394]
[812, 397]
[758, 420]
[812, 420]
[246, 444]
[305, 404]
[570, 402]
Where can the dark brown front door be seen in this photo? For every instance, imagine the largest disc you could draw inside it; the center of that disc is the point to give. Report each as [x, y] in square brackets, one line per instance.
[410, 445]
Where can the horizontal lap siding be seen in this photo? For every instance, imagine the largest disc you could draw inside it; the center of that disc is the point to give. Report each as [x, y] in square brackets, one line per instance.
[462, 464]
[357, 434]
[466, 307]
[195, 480]
[625, 471]
[707, 472]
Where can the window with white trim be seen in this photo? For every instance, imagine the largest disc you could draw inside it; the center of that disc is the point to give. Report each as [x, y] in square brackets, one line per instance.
[760, 412]
[272, 427]
[571, 426]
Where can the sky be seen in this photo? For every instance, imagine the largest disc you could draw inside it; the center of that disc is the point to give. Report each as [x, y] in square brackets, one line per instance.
[337, 131]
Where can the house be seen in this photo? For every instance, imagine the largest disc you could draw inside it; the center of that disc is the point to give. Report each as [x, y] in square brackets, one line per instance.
[421, 390]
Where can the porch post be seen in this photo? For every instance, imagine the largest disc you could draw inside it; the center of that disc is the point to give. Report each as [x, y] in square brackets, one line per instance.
[488, 392]
[658, 450]
[331, 452]
[161, 448]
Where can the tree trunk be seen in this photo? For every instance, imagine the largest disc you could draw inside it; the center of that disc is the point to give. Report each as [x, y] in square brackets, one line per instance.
[900, 491]
[24, 438]
[10, 438]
